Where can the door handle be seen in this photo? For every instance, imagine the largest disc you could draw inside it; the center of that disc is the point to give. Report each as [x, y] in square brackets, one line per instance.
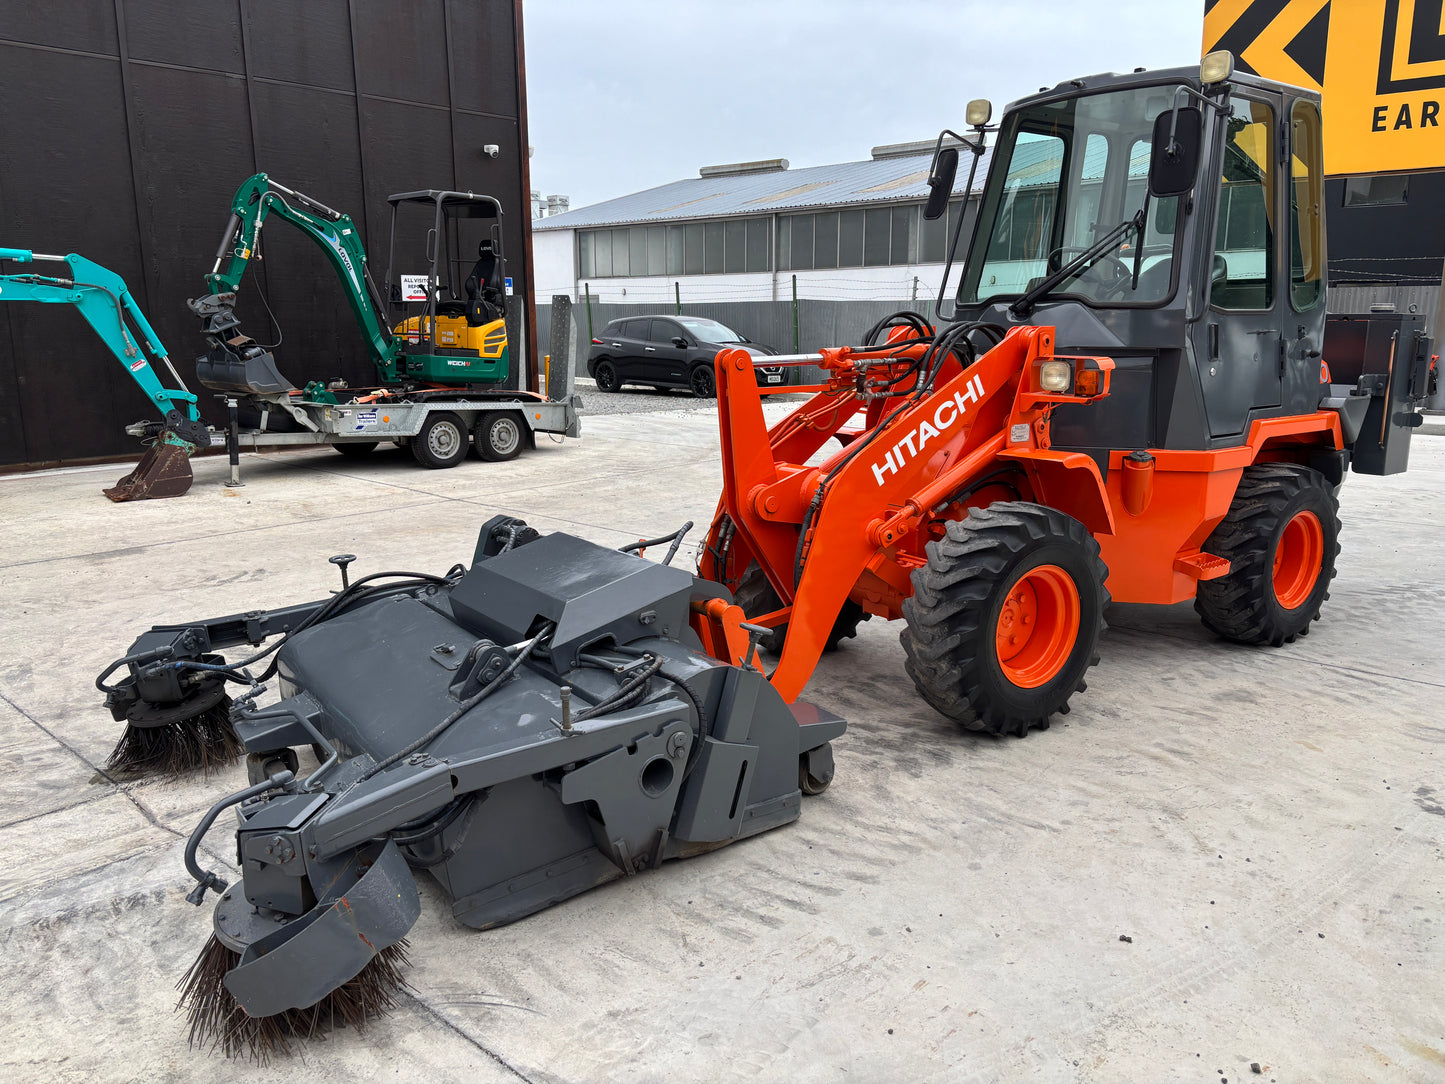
[650, 349]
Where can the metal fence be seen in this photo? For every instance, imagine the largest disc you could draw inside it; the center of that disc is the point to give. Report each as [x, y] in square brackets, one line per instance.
[818, 323]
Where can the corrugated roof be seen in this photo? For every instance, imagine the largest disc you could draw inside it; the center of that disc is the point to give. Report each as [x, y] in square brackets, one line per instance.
[886, 180]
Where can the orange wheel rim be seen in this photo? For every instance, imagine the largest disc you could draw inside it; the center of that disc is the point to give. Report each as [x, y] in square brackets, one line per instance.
[1037, 626]
[1298, 558]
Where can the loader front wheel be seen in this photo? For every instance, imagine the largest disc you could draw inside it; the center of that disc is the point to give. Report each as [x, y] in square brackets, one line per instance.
[1280, 538]
[756, 597]
[1005, 617]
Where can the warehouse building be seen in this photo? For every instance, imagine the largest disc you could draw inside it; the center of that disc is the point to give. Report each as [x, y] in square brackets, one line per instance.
[745, 232]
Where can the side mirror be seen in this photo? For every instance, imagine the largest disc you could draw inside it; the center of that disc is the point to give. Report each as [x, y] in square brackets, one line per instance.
[940, 183]
[1174, 160]
[679, 342]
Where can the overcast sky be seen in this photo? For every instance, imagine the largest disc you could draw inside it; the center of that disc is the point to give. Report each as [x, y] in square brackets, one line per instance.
[624, 95]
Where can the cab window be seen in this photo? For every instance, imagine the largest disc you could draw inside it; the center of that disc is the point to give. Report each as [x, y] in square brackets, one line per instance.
[1306, 232]
[1243, 274]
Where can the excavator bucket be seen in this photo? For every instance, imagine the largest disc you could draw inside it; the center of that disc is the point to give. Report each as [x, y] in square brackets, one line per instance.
[164, 471]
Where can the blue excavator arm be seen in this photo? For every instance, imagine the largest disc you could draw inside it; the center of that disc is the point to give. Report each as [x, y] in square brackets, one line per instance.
[106, 303]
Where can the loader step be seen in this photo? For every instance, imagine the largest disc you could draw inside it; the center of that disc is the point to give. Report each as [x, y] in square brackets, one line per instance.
[1201, 566]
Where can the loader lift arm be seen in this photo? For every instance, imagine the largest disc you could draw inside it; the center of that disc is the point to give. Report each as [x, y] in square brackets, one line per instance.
[106, 303]
[258, 198]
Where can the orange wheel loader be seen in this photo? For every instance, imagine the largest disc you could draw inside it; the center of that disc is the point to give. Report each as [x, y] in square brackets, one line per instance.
[1134, 393]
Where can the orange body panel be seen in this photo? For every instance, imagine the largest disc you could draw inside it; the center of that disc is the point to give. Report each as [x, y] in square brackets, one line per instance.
[826, 526]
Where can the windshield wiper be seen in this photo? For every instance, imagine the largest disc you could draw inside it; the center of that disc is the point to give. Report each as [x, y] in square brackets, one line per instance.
[1025, 304]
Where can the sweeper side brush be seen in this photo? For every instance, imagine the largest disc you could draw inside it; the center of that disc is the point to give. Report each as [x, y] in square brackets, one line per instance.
[556, 716]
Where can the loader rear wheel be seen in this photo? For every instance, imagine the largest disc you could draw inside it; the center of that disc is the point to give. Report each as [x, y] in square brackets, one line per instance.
[1005, 617]
[1280, 538]
[442, 442]
[756, 597]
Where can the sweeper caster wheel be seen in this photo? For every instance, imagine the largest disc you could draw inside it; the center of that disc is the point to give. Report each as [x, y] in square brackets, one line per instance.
[815, 769]
[1280, 538]
[1005, 617]
[262, 766]
[756, 597]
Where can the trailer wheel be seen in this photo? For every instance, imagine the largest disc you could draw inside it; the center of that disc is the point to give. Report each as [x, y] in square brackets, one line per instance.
[606, 376]
[442, 441]
[756, 597]
[1280, 537]
[356, 449]
[497, 436]
[1005, 617]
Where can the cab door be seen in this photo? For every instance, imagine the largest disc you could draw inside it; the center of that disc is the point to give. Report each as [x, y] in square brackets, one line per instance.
[1240, 363]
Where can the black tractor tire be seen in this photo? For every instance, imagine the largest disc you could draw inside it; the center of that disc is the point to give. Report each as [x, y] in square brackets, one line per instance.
[702, 382]
[605, 374]
[356, 449]
[1010, 566]
[442, 442]
[499, 436]
[1281, 537]
[756, 597]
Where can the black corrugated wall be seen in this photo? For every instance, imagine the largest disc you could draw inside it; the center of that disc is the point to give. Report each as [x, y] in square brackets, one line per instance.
[126, 125]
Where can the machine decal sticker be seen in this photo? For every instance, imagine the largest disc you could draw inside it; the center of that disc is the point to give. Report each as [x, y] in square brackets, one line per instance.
[944, 418]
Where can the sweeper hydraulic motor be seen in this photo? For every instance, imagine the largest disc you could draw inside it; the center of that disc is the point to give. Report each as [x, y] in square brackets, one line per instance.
[523, 730]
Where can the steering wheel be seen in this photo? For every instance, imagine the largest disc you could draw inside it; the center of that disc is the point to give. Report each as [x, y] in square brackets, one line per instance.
[1112, 283]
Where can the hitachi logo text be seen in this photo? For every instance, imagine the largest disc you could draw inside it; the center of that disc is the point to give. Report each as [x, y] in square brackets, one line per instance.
[944, 418]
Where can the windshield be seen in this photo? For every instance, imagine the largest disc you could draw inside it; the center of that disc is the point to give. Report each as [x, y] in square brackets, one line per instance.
[709, 331]
[1063, 175]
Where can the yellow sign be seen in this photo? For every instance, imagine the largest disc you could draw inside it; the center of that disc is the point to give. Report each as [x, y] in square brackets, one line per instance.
[1378, 64]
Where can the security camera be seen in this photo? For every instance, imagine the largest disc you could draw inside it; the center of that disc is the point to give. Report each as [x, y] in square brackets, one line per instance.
[491, 150]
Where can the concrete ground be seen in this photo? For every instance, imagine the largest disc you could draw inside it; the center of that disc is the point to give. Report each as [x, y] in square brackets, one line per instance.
[1265, 825]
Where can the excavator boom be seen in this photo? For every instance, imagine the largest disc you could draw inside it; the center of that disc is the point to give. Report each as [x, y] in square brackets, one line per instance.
[106, 303]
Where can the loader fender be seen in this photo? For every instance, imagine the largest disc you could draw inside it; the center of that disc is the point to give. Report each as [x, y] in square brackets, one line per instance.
[1070, 482]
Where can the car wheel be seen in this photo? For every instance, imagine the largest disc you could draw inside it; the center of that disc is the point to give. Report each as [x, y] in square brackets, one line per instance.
[703, 385]
[606, 377]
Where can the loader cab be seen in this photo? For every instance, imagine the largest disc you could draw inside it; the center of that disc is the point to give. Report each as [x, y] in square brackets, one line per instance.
[1209, 297]
[446, 287]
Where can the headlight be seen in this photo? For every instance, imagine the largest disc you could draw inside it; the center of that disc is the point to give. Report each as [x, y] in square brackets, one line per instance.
[1216, 67]
[1056, 376]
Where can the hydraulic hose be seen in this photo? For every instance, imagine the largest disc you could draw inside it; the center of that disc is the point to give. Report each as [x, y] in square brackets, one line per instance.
[467, 705]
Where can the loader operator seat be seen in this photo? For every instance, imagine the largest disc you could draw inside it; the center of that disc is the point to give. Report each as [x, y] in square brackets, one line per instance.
[486, 298]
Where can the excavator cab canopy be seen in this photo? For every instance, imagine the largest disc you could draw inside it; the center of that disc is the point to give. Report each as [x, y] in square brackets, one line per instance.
[461, 251]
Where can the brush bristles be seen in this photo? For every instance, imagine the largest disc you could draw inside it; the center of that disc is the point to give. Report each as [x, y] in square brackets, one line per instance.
[218, 1021]
[206, 741]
